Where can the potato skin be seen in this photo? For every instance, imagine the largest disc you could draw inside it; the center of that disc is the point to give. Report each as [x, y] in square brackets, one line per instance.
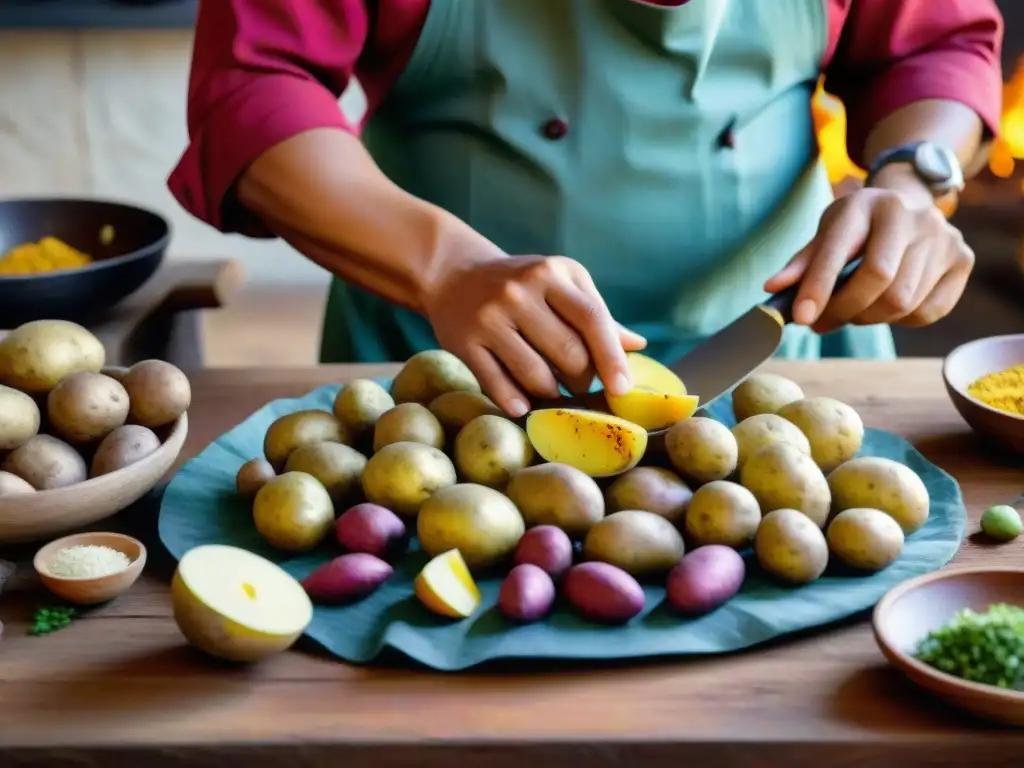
[19, 418]
[651, 489]
[766, 429]
[527, 594]
[702, 449]
[559, 495]
[301, 428]
[431, 373]
[865, 539]
[879, 483]
[790, 547]
[724, 513]
[602, 593]
[252, 476]
[159, 393]
[638, 542]
[547, 547]
[490, 449]
[408, 423]
[456, 409]
[834, 430]
[763, 393]
[781, 476]
[401, 476]
[705, 579]
[338, 467]
[478, 521]
[123, 447]
[372, 529]
[46, 463]
[359, 404]
[37, 355]
[346, 578]
[86, 406]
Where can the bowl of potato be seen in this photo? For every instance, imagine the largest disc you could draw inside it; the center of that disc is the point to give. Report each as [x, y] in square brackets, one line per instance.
[80, 442]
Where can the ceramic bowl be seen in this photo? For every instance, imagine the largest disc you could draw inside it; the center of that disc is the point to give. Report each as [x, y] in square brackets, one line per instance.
[968, 363]
[39, 515]
[101, 588]
[909, 611]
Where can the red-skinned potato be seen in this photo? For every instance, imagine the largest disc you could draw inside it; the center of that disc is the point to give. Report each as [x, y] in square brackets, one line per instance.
[346, 578]
[705, 579]
[527, 594]
[603, 593]
[371, 529]
[547, 547]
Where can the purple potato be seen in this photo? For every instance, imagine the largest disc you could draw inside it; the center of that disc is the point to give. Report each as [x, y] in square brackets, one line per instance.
[527, 594]
[346, 578]
[705, 579]
[372, 529]
[602, 592]
[547, 547]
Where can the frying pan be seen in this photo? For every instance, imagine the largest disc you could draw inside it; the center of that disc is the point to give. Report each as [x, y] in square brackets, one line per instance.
[127, 244]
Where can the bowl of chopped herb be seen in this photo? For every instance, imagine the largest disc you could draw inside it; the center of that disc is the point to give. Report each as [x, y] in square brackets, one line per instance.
[959, 634]
[985, 381]
[90, 568]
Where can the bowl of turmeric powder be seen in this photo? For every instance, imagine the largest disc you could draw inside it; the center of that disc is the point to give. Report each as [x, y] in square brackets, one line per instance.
[74, 259]
[985, 380]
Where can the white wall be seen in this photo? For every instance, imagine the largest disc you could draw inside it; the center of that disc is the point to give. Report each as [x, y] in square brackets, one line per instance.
[103, 114]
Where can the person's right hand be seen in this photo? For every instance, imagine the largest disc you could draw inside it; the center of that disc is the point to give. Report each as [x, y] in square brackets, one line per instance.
[522, 324]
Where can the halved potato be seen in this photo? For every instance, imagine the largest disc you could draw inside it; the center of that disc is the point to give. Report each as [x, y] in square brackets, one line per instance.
[597, 444]
[658, 398]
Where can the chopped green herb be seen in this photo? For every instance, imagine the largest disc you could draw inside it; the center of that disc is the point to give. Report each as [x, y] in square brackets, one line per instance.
[51, 619]
[983, 647]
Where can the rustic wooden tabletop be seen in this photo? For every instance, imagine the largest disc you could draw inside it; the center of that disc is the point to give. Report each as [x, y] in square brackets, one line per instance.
[119, 684]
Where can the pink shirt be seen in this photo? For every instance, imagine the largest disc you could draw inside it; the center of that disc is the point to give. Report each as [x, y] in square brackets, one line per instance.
[265, 71]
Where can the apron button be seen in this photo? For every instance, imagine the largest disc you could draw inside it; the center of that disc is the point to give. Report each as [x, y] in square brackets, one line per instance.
[555, 129]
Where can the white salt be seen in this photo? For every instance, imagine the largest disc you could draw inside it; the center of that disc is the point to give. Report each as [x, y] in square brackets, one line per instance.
[87, 561]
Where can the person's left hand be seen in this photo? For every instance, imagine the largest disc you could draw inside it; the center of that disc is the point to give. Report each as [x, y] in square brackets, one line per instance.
[915, 268]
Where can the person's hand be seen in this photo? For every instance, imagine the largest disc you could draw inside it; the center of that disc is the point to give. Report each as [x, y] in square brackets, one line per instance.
[523, 324]
[915, 268]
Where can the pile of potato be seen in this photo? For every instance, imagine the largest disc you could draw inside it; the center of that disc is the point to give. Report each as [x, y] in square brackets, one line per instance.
[64, 418]
[567, 502]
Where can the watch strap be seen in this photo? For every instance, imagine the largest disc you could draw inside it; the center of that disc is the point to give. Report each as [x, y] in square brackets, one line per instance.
[937, 167]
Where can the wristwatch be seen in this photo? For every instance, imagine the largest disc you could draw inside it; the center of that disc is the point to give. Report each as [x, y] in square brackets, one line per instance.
[936, 166]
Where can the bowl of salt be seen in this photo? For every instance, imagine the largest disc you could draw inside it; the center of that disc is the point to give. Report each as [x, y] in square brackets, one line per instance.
[90, 568]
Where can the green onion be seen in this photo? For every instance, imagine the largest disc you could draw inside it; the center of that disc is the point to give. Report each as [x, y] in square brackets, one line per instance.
[983, 647]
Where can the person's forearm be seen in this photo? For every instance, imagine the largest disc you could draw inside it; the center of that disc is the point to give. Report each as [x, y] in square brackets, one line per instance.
[322, 192]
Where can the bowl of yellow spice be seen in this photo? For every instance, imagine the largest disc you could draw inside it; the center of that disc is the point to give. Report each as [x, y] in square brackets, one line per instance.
[70, 259]
[985, 380]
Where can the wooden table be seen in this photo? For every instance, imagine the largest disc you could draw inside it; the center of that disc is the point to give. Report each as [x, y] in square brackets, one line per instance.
[121, 681]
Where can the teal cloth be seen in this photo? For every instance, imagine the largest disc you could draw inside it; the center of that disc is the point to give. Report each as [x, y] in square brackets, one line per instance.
[200, 507]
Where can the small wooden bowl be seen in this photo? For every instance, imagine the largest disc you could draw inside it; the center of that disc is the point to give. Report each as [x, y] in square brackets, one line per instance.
[968, 363]
[95, 590]
[909, 611]
[39, 515]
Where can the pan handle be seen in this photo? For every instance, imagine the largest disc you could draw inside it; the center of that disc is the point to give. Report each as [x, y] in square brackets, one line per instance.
[782, 301]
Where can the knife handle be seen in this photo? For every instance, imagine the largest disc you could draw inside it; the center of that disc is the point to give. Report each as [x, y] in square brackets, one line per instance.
[782, 302]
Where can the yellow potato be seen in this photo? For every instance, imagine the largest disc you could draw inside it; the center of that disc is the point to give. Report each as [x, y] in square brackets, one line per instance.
[360, 404]
[867, 539]
[763, 393]
[122, 448]
[86, 406]
[336, 466]
[835, 431]
[19, 418]
[159, 393]
[651, 489]
[301, 428]
[489, 449]
[478, 521]
[426, 375]
[790, 547]
[765, 429]
[36, 355]
[702, 449]
[599, 444]
[723, 513]
[401, 476]
[252, 476]
[293, 512]
[781, 476]
[559, 495]
[456, 409]
[12, 485]
[408, 423]
[46, 463]
[648, 372]
[658, 398]
[638, 542]
[884, 484]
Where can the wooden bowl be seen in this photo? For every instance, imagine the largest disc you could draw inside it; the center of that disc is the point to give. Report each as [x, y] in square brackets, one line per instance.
[909, 611]
[38, 515]
[968, 363]
[101, 588]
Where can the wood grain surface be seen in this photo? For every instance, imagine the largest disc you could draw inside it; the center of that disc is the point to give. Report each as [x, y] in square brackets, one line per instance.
[119, 686]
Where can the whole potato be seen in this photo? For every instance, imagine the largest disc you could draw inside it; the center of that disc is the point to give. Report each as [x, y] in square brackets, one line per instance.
[763, 393]
[12, 485]
[558, 495]
[46, 463]
[791, 547]
[159, 393]
[456, 409]
[723, 513]
[781, 476]
[527, 594]
[19, 418]
[478, 521]
[651, 489]
[252, 476]
[702, 449]
[884, 484]
[360, 404]
[372, 529]
[293, 512]
[346, 578]
[123, 447]
[490, 449]
[301, 428]
[834, 430]
[766, 429]
[36, 355]
[431, 373]
[547, 547]
[603, 593]
[705, 579]
[86, 406]
[401, 476]
[866, 539]
[638, 542]
[338, 467]
[408, 423]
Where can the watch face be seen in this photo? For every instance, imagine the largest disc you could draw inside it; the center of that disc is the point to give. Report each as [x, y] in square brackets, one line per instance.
[933, 165]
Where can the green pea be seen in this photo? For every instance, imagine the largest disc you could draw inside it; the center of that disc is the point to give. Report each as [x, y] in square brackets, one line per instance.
[1001, 522]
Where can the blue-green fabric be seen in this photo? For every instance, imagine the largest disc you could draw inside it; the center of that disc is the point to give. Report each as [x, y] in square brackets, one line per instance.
[678, 231]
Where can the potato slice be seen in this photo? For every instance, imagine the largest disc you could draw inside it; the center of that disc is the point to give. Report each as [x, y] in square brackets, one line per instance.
[598, 444]
[445, 586]
[658, 398]
[648, 372]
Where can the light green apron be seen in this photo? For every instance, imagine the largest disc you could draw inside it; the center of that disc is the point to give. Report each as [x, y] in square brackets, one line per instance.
[678, 229]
